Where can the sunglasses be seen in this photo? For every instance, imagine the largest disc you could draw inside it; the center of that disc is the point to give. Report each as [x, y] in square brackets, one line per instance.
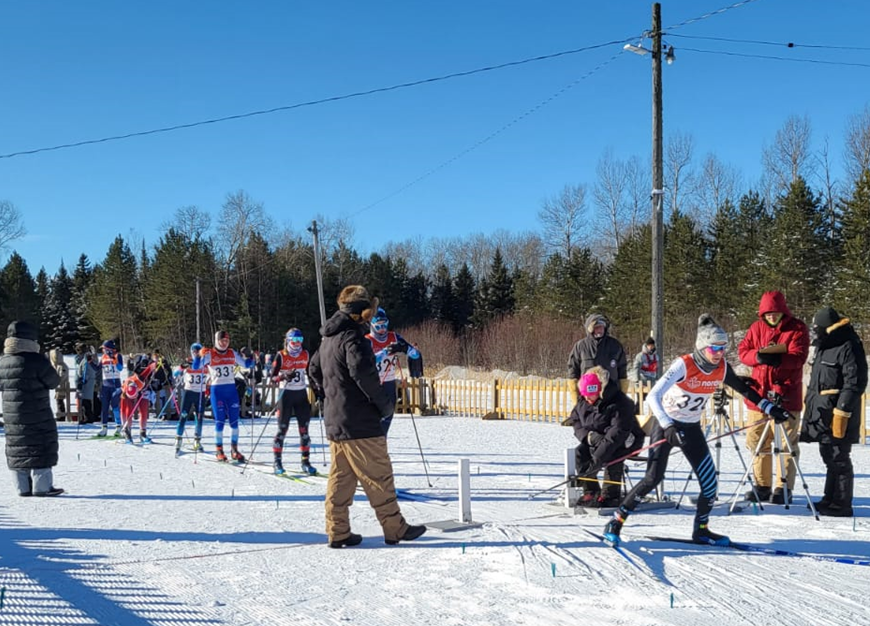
[716, 349]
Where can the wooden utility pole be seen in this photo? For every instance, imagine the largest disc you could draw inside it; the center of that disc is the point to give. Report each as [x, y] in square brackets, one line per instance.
[318, 270]
[658, 233]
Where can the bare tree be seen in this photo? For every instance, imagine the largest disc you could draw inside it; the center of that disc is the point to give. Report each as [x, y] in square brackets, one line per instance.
[790, 155]
[190, 221]
[715, 183]
[678, 175]
[858, 144]
[240, 217]
[830, 189]
[562, 218]
[610, 191]
[11, 224]
[639, 184]
[411, 252]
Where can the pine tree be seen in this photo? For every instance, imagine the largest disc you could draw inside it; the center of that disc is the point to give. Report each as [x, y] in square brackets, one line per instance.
[464, 292]
[42, 291]
[791, 259]
[627, 298]
[442, 301]
[496, 293]
[687, 275]
[852, 282]
[20, 300]
[82, 279]
[63, 331]
[115, 297]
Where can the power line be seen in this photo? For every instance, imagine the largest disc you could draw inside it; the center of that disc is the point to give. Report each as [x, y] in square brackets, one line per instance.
[711, 14]
[781, 44]
[492, 135]
[777, 58]
[309, 103]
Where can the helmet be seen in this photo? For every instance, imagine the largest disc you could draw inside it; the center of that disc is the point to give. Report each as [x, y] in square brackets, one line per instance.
[221, 335]
[293, 337]
[195, 347]
[108, 344]
[380, 322]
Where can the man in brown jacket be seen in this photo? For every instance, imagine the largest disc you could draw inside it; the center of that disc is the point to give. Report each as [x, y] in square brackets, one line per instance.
[343, 372]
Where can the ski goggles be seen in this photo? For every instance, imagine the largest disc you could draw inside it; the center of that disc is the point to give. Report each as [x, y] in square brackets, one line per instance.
[716, 349]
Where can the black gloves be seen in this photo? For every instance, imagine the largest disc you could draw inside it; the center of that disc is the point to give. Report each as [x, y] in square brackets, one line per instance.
[674, 436]
[773, 360]
[398, 346]
[720, 398]
[779, 414]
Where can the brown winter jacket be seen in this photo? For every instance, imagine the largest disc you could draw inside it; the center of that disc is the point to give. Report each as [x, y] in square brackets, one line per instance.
[786, 378]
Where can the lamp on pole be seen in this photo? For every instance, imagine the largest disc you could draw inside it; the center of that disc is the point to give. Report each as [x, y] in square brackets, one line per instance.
[657, 195]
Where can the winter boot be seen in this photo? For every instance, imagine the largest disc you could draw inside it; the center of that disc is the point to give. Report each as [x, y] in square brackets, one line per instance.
[54, 491]
[704, 535]
[143, 437]
[219, 453]
[412, 533]
[778, 496]
[237, 456]
[836, 510]
[351, 540]
[307, 468]
[609, 500]
[824, 503]
[763, 494]
[278, 466]
[614, 527]
[589, 499]
[103, 431]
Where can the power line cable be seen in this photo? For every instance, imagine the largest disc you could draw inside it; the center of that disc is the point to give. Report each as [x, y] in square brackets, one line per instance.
[489, 137]
[786, 44]
[776, 58]
[736, 5]
[309, 103]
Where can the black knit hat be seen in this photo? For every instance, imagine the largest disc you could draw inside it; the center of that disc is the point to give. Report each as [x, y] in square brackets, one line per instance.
[22, 330]
[826, 317]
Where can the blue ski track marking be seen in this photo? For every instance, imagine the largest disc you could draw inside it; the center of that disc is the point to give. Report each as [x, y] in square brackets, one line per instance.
[625, 554]
[746, 547]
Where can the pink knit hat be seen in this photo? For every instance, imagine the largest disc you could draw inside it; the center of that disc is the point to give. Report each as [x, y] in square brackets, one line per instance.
[589, 385]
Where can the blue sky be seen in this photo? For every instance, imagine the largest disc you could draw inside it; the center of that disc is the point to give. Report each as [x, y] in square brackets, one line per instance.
[85, 70]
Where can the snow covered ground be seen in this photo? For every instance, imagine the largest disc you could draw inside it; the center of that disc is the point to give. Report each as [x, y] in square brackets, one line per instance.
[143, 538]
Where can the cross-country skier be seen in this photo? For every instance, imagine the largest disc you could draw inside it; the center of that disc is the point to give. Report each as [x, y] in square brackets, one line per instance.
[677, 401]
[290, 372]
[221, 362]
[192, 399]
[387, 344]
[111, 364]
[135, 397]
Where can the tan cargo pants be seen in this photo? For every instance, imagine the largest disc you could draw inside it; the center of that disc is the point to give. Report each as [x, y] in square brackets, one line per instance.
[366, 462]
[762, 470]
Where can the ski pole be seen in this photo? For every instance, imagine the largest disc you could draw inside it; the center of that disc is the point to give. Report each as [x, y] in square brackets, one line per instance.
[413, 423]
[636, 452]
[262, 432]
[569, 479]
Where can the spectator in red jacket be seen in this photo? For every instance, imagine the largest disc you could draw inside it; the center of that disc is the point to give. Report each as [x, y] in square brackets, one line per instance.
[776, 347]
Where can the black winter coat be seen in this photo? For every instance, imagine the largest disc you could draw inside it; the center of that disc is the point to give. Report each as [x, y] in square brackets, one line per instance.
[613, 417]
[344, 369]
[606, 352]
[26, 378]
[839, 366]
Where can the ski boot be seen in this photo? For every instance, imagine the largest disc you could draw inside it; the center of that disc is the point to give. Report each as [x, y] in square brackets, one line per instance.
[197, 444]
[143, 437]
[103, 431]
[704, 535]
[128, 437]
[219, 454]
[178, 445]
[278, 466]
[307, 468]
[614, 526]
[237, 456]
[118, 432]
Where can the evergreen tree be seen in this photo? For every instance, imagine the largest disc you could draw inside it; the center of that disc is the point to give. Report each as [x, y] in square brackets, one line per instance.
[496, 293]
[442, 302]
[627, 298]
[20, 300]
[42, 291]
[791, 259]
[63, 332]
[464, 291]
[81, 279]
[571, 288]
[114, 297]
[852, 282]
[415, 299]
[687, 275]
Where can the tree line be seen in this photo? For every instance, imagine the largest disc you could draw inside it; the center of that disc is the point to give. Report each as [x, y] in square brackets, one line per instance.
[510, 300]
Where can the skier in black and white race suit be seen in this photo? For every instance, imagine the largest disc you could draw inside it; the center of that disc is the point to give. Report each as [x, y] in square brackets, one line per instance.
[677, 401]
[290, 371]
[192, 399]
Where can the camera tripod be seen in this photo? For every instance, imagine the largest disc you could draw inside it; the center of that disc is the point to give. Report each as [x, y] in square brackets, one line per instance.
[782, 456]
[721, 425]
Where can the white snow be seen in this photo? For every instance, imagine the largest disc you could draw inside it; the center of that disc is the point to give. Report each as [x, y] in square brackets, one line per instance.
[144, 538]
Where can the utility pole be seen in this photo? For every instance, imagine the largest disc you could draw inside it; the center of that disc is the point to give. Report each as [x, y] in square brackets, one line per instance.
[658, 232]
[318, 269]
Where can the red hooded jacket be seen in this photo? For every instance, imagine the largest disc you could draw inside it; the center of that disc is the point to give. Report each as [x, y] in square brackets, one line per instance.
[786, 379]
